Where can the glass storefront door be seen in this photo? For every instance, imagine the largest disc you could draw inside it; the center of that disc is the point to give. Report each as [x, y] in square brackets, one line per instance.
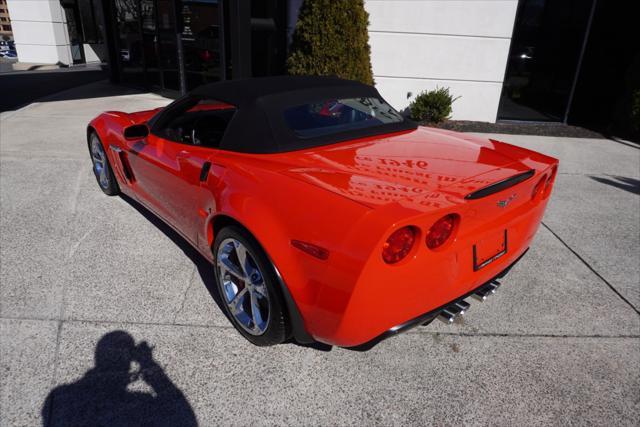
[268, 37]
[167, 50]
[148, 42]
[542, 66]
[202, 41]
[130, 48]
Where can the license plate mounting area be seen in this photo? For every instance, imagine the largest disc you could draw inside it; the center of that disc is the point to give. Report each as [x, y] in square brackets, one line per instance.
[489, 249]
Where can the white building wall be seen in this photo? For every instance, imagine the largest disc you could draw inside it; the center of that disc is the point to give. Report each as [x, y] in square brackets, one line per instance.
[40, 31]
[419, 45]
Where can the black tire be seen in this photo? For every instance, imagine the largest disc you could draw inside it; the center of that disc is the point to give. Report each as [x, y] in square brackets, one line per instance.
[108, 184]
[277, 325]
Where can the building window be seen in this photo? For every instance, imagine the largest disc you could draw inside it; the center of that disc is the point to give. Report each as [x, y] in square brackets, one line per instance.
[6, 28]
[91, 28]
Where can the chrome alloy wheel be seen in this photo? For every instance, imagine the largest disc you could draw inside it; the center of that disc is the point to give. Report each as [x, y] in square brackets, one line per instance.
[242, 282]
[99, 162]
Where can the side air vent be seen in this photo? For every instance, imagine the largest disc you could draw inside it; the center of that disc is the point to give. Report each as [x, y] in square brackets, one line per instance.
[126, 167]
[500, 185]
[124, 162]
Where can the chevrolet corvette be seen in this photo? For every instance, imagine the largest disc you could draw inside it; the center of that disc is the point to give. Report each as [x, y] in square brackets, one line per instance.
[327, 215]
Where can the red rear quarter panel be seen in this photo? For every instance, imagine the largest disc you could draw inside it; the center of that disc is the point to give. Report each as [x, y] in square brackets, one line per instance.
[277, 209]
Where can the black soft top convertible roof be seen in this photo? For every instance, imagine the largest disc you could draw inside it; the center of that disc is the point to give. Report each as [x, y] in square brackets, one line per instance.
[245, 92]
[258, 125]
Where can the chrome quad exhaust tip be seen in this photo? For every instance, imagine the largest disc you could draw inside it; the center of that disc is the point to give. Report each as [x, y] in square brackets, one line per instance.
[449, 313]
[485, 291]
[463, 305]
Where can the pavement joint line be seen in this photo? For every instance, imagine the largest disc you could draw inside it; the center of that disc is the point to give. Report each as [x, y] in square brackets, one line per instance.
[593, 270]
[590, 174]
[74, 201]
[56, 357]
[516, 335]
[230, 327]
[184, 294]
[574, 173]
[118, 322]
[48, 155]
[41, 116]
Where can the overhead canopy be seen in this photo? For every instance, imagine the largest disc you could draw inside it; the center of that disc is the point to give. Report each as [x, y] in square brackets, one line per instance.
[258, 125]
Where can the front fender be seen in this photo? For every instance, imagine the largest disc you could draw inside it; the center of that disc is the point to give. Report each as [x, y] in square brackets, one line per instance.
[109, 128]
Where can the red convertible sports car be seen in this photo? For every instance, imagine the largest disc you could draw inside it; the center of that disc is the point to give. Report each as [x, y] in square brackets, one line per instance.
[327, 215]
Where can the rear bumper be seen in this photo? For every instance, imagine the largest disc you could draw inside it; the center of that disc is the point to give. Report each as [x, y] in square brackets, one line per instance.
[433, 314]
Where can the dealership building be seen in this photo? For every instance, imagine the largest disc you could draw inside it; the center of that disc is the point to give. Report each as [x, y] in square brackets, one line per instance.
[529, 60]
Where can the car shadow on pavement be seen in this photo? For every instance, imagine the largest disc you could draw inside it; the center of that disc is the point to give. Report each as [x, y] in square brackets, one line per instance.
[631, 185]
[204, 267]
[125, 387]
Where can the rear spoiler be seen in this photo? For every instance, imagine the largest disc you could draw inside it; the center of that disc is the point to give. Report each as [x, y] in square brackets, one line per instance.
[500, 185]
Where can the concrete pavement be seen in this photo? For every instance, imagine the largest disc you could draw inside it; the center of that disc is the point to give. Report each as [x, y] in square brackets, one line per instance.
[559, 343]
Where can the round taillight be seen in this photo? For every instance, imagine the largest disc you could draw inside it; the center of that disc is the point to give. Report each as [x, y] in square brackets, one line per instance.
[440, 231]
[398, 245]
[537, 190]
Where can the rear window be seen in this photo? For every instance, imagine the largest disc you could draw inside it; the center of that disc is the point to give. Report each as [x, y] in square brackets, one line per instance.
[339, 115]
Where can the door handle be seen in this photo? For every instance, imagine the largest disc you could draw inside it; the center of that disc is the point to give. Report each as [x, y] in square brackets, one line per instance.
[204, 172]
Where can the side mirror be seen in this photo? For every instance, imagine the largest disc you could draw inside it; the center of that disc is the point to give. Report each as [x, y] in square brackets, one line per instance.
[136, 132]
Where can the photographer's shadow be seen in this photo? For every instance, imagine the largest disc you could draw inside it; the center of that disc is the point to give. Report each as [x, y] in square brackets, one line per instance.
[106, 394]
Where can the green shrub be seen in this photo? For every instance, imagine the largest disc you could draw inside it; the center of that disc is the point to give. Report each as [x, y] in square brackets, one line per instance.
[432, 106]
[331, 38]
[635, 111]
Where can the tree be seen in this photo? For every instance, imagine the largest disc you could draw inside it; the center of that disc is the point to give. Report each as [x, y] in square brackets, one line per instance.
[331, 38]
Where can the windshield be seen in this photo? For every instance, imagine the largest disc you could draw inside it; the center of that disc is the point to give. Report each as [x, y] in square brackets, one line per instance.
[339, 115]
